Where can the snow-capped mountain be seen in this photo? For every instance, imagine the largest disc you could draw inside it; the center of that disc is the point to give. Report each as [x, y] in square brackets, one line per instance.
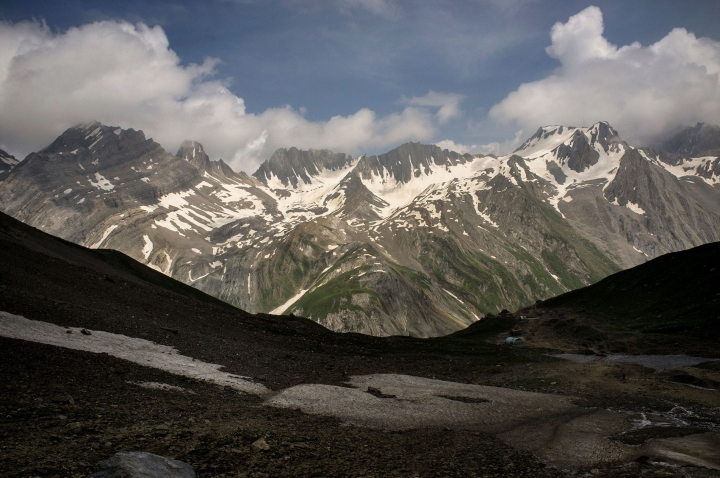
[7, 163]
[418, 240]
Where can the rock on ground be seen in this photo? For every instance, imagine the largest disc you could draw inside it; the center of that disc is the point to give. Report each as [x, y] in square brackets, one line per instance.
[137, 464]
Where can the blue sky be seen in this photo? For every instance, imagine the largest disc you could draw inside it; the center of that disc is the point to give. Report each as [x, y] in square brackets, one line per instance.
[303, 62]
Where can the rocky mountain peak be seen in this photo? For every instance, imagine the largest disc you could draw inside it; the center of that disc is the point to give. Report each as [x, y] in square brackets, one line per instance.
[577, 147]
[408, 161]
[604, 135]
[193, 152]
[600, 134]
[696, 141]
[98, 139]
[290, 167]
[543, 133]
[7, 161]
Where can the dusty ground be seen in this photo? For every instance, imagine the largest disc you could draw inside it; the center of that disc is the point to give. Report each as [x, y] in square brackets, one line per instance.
[43, 434]
[206, 426]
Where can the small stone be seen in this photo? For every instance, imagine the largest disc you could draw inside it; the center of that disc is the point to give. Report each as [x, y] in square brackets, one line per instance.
[553, 383]
[595, 471]
[85, 332]
[260, 445]
[68, 331]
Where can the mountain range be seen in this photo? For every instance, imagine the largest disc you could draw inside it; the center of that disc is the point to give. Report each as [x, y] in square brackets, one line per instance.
[417, 241]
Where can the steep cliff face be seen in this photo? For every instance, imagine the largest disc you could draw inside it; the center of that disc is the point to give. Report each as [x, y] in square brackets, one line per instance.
[417, 241]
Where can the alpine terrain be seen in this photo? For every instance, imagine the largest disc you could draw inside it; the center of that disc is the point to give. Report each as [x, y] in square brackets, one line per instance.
[417, 241]
[101, 356]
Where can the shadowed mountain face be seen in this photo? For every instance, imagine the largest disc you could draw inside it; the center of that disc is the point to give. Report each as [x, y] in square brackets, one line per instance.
[674, 293]
[7, 162]
[289, 167]
[696, 141]
[417, 241]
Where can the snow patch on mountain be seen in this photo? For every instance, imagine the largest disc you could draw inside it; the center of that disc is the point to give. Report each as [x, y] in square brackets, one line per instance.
[105, 235]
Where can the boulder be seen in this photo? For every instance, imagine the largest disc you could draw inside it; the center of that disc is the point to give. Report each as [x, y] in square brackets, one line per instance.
[138, 464]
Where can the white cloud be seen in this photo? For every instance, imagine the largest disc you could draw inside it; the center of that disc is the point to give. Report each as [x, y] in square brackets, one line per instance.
[496, 148]
[642, 91]
[448, 104]
[382, 8]
[127, 75]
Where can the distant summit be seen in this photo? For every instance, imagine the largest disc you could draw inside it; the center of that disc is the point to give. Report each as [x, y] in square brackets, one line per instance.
[700, 140]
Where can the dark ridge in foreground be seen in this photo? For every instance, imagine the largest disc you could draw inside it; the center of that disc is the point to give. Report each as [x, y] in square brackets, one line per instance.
[673, 293]
[116, 266]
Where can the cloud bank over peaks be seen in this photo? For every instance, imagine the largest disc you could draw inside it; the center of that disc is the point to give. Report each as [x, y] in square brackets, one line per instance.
[496, 148]
[644, 92]
[126, 74]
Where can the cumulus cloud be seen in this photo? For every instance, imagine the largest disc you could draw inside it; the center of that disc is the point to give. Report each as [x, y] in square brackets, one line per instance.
[644, 92]
[127, 75]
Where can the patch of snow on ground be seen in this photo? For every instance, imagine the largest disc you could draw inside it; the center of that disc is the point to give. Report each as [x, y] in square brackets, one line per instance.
[419, 402]
[147, 247]
[104, 236]
[641, 252]
[688, 167]
[140, 351]
[92, 133]
[487, 218]
[102, 183]
[190, 277]
[279, 310]
[10, 161]
[456, 298]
